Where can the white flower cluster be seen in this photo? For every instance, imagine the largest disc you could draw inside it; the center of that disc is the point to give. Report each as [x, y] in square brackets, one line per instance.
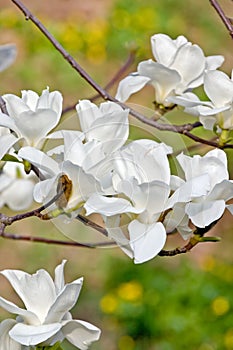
[95, 170]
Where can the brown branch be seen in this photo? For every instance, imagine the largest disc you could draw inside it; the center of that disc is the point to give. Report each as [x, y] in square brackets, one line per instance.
[55, 241]
[114, 79]
[226, 21]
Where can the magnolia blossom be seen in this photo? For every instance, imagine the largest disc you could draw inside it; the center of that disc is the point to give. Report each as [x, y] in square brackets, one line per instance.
[31, 117]
[179, 66]
[7, 55]
[46, 318]
[107, 124]
[16, 187]
[219, 110]
[202, 196]
[141, 177]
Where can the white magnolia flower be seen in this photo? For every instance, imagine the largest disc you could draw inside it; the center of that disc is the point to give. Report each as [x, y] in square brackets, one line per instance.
[204, 193]
[31, 117]
[179, 66]
[77, 184]
[219, 110]
[107, 124]
[16, 187]
[46, 318]
[7, 55]
[141, 176]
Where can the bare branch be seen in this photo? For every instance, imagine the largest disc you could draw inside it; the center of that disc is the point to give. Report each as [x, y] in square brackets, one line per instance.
[114, 79]
[227, 21]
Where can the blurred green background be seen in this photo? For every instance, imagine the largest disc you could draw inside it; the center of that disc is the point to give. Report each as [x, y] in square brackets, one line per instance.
[182, 302]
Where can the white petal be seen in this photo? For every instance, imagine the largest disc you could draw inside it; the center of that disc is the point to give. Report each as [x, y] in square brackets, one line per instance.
[59, 276]
[111, 129]
[208, 122]
[45, 190]
[88, 112]
[40, 160]
[30, 98]
[129, 85]
[19, 195]
[194, 188]
[204, 213]
[218, 87]
[7, 55]
[146, 240]
[190, 64]
[37, 291]
[33, 335]
[9, 123]
[213, 62]
[28, 316]
[64, 301]
[6, 142]
[34, 126]
[108, 206]
[6, 343]
[51, 100]
[15, 106]
[223, 190]
[163, 48]
[80, 333]
[164, 80]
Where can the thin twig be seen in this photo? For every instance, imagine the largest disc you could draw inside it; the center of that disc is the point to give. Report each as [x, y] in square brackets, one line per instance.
[55, 241]
[227, 21]
[115, 78]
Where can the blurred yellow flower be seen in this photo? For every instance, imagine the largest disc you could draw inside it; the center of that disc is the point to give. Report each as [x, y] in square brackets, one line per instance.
[108, 304]
[228, 339]
[126, 343]
[220, 306]
[130, 291]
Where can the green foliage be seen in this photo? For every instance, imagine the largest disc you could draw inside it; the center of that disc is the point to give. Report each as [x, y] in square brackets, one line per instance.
[165, 307]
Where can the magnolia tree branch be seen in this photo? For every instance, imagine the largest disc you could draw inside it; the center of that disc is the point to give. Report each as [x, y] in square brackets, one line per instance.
[227, 21]
[181, 129]
[111, 83]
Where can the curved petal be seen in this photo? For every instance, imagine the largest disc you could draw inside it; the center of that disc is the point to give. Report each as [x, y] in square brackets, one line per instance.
[88, 112]
[6, 142]
[15, 105]
[146, 240]
[80, 333]
[197, 187]
[6, 343]
[219, 88]
[19, 195]
[34, 126]
[33, 335]
[214, 62]
[189, 62]
[37, 291]
[45, 190]
[28, 316]
[51, 100]
[59, 281]
[9, 123]
[164, 80]
[64, 301]
[7, 55]
[40, 160]
[129, 85]
[108, 206]
[223, 190]
[204, 213]
[111, 129]
[30, 98]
